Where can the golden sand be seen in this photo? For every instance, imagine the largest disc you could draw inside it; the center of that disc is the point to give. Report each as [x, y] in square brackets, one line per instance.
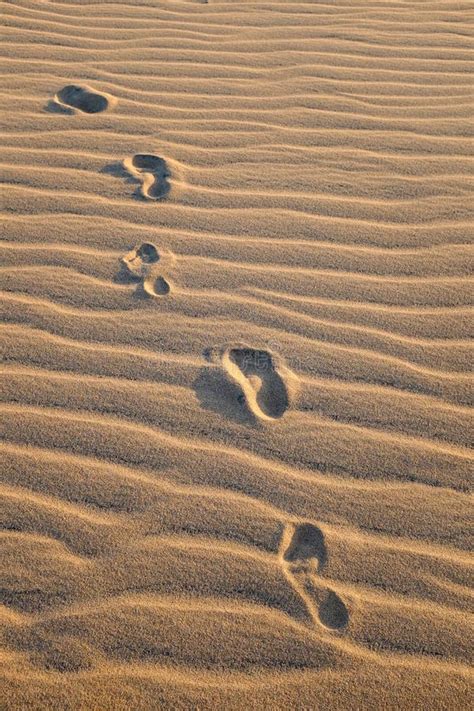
[236, 390]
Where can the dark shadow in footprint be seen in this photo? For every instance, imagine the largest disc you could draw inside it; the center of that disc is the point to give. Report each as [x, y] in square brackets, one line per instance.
[148, 253]
[138, 262]
[156, 287]
[306, 543]
[153, 286]
[259, 370]
[83, 99]
[153, 172]
[216, 393]
[332, 612]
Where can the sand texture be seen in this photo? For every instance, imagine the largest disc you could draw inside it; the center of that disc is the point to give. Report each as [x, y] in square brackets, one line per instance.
[236, 392]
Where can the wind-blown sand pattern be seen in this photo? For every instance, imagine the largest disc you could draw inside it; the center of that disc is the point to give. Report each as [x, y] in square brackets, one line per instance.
[236, 411]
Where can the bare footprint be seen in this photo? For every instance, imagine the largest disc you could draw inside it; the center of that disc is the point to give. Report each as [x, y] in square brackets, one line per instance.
[263, 380]
[156, 287]
[139, 260]
[83, 99]
[153, 173]
[143, 264]
[304, 555]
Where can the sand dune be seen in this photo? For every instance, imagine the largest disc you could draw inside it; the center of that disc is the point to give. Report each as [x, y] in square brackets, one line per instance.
[236, 392]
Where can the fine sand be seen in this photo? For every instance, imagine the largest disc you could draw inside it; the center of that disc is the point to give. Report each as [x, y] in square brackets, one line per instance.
[236, 391]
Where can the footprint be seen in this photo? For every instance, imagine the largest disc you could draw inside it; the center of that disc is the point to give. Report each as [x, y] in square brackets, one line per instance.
[139, 260]
[83, 99]
[263, 381]
[143, 263]
[304, 556]
[152, 171]
[156, 287]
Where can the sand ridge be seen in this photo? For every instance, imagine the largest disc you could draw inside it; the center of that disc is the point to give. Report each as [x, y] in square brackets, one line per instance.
[236, 393]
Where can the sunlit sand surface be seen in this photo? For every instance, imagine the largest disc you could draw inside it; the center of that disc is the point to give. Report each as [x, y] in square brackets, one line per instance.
[236, 389]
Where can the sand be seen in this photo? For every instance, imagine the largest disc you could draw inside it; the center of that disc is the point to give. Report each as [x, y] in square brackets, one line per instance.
[235, 385]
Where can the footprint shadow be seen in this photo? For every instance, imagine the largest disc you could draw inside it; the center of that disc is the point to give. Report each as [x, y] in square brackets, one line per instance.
[304, 558]
[216, 393]
[53, 108]
[118, 170]
[123, 276]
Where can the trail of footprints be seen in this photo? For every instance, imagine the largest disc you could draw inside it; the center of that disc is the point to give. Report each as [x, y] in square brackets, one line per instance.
[151, 171]
[266, 386]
